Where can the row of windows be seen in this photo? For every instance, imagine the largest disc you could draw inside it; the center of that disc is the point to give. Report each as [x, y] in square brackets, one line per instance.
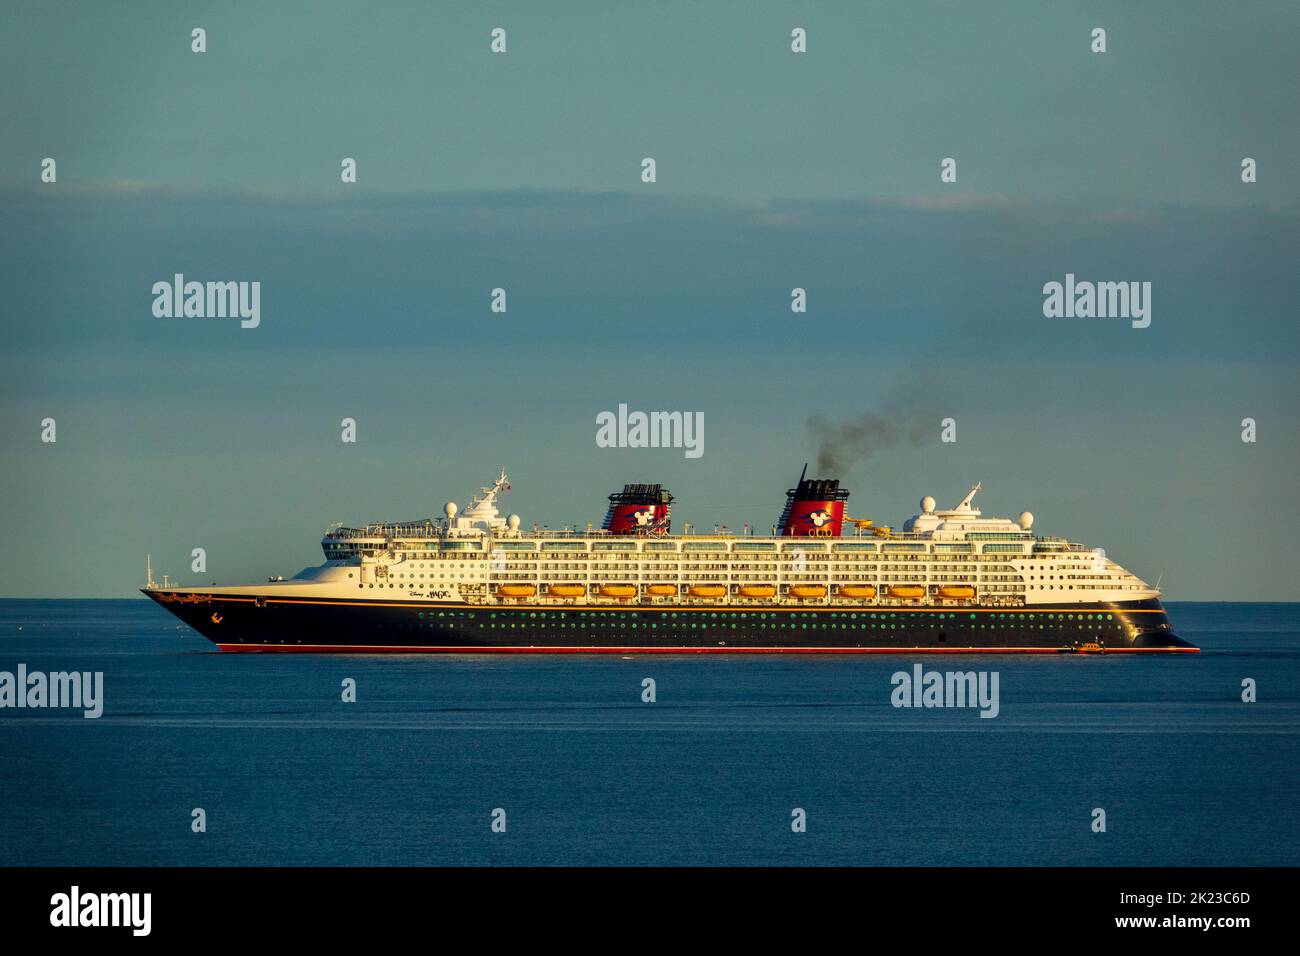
[772, 568]
[863, 578]
[908, 616]
[653, 549]
[749, 560]
[780, 625]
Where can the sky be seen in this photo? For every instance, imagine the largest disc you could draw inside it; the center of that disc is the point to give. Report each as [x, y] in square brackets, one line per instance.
[522, 170]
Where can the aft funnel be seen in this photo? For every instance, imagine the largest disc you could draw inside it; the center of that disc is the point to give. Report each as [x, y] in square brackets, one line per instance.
[815, 508]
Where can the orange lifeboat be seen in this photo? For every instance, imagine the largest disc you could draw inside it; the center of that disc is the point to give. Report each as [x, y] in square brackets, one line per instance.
[566, 590]
[858, 591]
[807, 590]
[618, 590]
[910, 591]
[707, 590]
[757, 590]
[516, 590]
[661, 590]
[956, 591]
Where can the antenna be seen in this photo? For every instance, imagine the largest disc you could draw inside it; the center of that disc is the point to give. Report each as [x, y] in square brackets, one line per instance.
[1159, 577]
[803, 474]
[148, 571]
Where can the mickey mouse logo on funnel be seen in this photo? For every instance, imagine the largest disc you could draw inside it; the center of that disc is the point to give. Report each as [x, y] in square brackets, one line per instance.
[639, 509]
[814, 509]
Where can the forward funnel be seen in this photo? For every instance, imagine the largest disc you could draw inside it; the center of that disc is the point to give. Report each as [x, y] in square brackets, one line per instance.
[639, 509]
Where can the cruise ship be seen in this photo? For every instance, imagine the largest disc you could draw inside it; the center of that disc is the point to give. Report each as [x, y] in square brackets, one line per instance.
[473, 581]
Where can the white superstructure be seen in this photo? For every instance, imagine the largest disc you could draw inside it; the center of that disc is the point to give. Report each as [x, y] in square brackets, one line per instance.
[940, 558]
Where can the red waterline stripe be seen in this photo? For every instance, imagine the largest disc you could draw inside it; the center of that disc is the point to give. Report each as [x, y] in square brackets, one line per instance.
[404, 649]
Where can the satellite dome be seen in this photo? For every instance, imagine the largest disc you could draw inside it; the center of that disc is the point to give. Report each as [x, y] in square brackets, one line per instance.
[1026, 520]
[513, 522]
[927, 505]
[449, 509]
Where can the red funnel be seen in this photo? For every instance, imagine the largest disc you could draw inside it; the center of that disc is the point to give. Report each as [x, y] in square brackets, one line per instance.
[639, 509]
[814, 509]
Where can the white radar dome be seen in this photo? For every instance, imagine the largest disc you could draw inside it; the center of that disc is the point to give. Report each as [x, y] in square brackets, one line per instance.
[449, 509]
[513, 522]
[1026, 520]
[927, 505]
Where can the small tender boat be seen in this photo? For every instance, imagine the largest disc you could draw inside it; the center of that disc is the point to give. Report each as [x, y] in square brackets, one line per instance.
[661, 590]
[910, 591]
[566, 590]
[516, 590]
[956, 591]
[858, 591]
[757, 590]
[707, 590]
[807, 590]
[618, 590]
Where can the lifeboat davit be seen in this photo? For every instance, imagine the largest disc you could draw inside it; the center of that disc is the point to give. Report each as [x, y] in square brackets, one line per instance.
[807, 590]
[566, 590]
[618, 590]
[757, 590]
[858, 591]
[707, 590]
[909, 591]
[956, 591]
[516, 590]
[661, 590]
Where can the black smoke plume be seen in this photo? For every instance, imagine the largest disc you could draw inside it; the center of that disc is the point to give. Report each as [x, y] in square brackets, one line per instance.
[842, 444]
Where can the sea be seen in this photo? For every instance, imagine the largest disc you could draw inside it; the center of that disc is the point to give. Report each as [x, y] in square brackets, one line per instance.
[204, 758]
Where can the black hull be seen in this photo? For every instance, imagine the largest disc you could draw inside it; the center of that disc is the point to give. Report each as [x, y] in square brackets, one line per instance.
[340, 626]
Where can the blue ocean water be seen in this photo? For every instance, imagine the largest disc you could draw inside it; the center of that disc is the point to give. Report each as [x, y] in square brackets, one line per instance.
[587, 773]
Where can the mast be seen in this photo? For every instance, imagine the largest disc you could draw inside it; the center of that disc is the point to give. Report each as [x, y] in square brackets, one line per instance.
[965, 502]
[482, 508]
